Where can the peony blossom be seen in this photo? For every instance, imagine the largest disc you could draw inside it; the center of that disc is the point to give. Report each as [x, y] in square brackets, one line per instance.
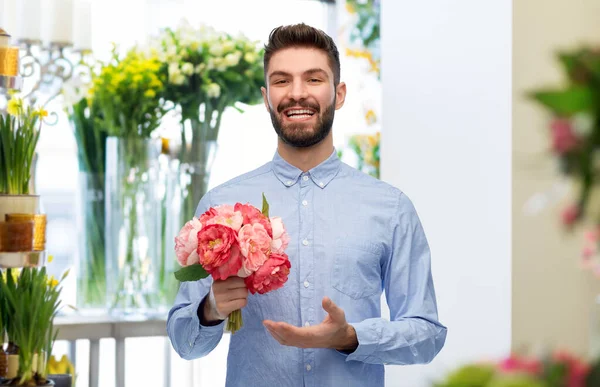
[186, 243]
[270, 276]
[218, 252]
[255, 245]
[281, 239]
[253, 215]
[226, 216]
[570, 215]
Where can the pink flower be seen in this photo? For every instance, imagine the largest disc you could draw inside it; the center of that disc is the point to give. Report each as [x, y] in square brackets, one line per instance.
[514, 363]
[270, 276]
[280, 236]
[252, 215]
[218, 251]
[226, 216]
[563, 136]
[577, 370]
[570, 215]
[208, 215]
[186, 243]
[255, 245]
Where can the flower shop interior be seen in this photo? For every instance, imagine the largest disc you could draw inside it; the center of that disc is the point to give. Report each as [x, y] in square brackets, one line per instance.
[483, 112]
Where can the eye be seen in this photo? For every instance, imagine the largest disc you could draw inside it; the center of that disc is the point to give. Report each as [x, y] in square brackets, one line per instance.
[280, 81]
[314, 80]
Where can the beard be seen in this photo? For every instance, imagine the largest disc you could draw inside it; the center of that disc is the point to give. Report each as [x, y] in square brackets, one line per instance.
[298, 134]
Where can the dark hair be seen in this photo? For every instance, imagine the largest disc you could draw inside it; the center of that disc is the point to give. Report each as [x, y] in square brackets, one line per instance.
[302, 35]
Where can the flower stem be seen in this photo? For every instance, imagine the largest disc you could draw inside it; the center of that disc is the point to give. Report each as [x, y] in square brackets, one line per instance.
[235, 321]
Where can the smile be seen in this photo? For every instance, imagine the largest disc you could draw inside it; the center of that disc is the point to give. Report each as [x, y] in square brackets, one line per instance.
[299, 114]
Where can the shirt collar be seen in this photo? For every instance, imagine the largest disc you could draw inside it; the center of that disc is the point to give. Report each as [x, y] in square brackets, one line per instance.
[321, 175]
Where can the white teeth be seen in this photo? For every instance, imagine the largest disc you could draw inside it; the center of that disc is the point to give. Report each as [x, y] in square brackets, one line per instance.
[296, 112]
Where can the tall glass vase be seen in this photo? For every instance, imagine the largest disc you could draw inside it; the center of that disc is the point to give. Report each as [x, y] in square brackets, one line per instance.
[199, 148]
[132, 225]
[91, 272]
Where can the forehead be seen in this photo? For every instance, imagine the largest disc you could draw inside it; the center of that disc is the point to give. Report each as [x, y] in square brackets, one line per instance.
[297, 60]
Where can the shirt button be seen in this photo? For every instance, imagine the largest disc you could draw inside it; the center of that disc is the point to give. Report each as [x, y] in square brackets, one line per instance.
[321, 184]
[307, 324]
[305, 202]
[305, 178]
[308, 367]
[305, 242]
[289, 182]
[306, 284]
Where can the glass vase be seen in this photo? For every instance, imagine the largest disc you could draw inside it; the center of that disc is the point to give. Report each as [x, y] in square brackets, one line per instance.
[132, 225]
[91, 263]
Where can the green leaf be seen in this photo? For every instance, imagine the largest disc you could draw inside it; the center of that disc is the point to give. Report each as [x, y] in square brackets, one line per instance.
[191, 273]
[265, 206]
[566, 102]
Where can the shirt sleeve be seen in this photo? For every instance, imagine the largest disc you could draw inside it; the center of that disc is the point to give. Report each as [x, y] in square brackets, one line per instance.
[414, 334]
[189, 338]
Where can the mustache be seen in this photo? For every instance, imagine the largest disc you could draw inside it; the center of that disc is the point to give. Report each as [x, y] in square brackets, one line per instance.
[300, 104]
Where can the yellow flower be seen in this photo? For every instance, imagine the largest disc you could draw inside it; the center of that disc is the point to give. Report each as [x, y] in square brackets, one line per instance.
[371, 117]
[150, 94]
[50, 258]
[15, 107]
[41, 112]
[350, 8]
[52, 282]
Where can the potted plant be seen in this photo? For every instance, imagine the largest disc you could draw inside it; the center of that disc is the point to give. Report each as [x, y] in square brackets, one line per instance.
[19, 133]
[29, 299]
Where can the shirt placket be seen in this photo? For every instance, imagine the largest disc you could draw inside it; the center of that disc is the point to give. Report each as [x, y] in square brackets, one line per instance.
[307, 289]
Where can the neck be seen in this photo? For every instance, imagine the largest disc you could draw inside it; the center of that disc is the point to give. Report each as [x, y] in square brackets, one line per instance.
[306, 159]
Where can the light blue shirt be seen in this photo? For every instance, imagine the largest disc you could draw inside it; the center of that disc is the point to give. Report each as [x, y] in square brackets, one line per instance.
[352, 237]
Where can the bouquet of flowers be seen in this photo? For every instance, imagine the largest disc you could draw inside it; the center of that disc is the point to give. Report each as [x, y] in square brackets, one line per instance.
[238, 241]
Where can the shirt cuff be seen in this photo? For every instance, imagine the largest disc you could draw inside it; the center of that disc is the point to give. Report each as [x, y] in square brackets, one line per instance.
[197, 329]
[369, 336]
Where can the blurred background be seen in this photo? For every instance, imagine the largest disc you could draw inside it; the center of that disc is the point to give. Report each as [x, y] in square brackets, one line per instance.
[487, 115]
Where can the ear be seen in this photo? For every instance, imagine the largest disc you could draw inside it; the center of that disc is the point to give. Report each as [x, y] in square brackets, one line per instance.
[263, 91]
[340, 93]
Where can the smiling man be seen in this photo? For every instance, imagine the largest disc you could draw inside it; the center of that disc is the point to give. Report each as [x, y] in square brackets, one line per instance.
[352, 238]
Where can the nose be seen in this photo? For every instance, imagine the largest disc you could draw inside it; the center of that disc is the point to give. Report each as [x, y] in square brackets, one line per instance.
[298, 90]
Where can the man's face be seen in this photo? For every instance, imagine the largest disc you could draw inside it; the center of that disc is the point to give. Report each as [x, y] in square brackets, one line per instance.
[301, 97]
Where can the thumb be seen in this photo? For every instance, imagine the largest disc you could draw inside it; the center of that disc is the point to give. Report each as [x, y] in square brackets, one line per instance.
[334, 311]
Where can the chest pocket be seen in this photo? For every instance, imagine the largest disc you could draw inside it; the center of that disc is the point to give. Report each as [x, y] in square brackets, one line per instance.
[356, 269]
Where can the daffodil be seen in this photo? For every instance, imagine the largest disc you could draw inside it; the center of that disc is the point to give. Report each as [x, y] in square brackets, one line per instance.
[15, 107]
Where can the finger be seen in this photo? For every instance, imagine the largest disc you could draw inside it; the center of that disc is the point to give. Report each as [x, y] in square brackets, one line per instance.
[291, 335]
[336, 313]
[277, 337]
[235, 283]
[235, 294]
[227, 307]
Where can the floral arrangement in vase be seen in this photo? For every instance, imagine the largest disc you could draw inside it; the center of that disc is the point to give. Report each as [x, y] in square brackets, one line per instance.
[29, 302]
[90, 136]
[574, 137]
[205, 71]
[125, 98]
[558, 369]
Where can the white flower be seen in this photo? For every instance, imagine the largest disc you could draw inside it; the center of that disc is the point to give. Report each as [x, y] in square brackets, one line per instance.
[187, 68]
[250, 57]
[232, 59]
[173, 68]
[216, 49]
[171, 52]
[213, 90]
[210, 64]
[219, 64]
[228, 46]
[177, 78]
[583, 124]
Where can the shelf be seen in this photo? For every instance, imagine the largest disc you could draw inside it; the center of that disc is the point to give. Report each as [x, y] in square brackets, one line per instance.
[22, 259]
[8, 83]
